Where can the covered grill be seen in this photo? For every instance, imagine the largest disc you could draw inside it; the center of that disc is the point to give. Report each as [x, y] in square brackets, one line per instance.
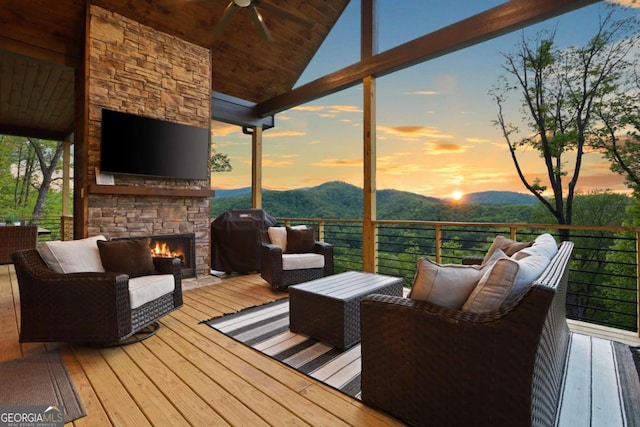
[235, 239]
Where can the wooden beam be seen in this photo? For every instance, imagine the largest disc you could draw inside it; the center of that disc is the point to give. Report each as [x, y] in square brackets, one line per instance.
[32, 51]
[52, 135]
[495, 22]
[229, 109]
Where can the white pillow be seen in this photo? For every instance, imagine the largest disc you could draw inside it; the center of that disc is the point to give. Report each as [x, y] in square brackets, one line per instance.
[448, 285]
[544, 245]
[72, 256]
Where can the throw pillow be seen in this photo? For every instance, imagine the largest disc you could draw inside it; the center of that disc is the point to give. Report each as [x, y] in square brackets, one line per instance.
[494, 287]
[544, 244]
[508, 246]
[530, 268]
[72, 256]
[448, 285]
[300, 241]
[127, 256]
[278, 236]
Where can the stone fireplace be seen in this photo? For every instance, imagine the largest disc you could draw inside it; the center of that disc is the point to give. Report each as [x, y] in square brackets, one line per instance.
[136, 69]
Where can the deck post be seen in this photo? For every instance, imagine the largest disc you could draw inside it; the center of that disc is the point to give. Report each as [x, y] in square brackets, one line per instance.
[368, 48]
[256, 167]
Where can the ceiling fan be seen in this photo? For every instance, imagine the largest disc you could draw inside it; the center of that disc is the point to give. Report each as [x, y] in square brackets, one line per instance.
[250, 6]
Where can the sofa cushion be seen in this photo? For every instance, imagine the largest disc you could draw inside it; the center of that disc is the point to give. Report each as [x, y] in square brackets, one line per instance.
[544, 244]
[508, 246]
[127, 256]
[448, 285]
[301, 261]
[144, 289]
[494, 287]
[72, 256]
[300, 241]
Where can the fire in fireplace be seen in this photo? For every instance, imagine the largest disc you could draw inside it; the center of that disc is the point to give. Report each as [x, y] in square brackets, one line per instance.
[182, 246]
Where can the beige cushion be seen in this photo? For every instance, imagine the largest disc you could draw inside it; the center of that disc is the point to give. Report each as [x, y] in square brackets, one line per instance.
[494, 287]
[508, 246]
[301, 261]
[448, 285]
[144, 289]
[278, 237]
[544, 245]
[72, 256]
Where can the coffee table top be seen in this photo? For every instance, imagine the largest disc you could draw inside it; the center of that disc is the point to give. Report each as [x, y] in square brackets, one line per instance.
[347, 285]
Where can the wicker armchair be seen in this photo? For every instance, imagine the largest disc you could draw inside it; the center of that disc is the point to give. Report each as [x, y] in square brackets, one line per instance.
[430, 365]
[271, 268]
[85, 307]
[15, 238]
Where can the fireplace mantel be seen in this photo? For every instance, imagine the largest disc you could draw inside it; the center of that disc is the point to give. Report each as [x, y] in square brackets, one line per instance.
[134, 190]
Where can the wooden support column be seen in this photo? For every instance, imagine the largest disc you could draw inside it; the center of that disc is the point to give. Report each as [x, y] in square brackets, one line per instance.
[368, 48]
[256, 167]
[66, 220]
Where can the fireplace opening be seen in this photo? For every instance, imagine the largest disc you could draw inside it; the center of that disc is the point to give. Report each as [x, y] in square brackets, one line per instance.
[181, 246]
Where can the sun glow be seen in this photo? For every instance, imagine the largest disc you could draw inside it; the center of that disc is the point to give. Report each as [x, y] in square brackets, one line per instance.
[457, 195]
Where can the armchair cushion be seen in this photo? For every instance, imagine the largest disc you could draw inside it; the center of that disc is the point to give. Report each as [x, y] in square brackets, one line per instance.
[300, 241]
[128, 256]
[302, 261]
[144, 289]
[72, 256]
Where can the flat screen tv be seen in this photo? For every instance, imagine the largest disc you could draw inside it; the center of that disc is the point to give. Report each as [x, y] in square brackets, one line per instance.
[137, 145]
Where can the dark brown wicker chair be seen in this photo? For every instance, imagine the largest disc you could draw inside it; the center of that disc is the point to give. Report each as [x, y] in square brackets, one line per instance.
[429, 365]
[16, 238]
[85, 307]
[271, 264]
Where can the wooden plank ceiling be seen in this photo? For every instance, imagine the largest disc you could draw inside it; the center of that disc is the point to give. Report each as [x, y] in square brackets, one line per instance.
[41, 48]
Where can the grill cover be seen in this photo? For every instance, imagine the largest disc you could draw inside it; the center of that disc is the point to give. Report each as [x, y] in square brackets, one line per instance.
[235, 239]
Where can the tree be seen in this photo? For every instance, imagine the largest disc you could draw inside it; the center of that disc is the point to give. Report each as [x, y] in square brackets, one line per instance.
[620, 133]
[32, 165]
[220, 162]
[560, 89]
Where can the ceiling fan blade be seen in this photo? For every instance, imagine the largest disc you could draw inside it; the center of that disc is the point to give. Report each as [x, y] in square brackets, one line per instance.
[259, 23]
[231, 9]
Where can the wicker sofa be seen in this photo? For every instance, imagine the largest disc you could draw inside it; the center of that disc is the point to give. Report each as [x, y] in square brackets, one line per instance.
[92, 307]
[431, 365]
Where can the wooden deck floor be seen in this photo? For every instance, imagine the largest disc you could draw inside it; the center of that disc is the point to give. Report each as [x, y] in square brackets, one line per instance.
[189, 374]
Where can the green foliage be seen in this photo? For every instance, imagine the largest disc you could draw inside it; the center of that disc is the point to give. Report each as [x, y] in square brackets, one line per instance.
[220, 162]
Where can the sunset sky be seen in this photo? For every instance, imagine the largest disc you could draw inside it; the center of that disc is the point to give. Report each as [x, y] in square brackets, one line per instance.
[434, 120]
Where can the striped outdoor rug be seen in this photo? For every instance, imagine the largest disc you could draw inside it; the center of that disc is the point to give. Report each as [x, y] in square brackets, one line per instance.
[266, 329]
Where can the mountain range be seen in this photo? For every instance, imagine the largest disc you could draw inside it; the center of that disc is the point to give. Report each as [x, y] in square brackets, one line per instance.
[338, 199]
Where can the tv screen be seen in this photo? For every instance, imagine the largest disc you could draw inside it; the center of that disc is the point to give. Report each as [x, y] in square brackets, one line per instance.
[139, 145]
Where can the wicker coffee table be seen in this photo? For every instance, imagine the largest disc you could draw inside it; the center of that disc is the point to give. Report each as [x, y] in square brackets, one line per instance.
[328, 309]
